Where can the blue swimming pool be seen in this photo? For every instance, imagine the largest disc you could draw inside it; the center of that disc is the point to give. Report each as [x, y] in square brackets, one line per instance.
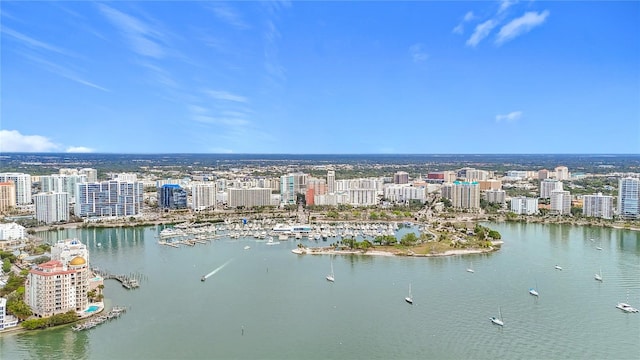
[92, 308]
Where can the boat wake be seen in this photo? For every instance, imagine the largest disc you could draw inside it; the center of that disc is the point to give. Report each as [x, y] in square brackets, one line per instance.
[217, 269]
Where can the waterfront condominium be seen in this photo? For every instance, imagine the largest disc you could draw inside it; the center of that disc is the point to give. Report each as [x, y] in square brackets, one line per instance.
[598, 205]
[629, 197]
[524, 205]
[203, 195]
[23, 186]
[62, 183]
[61, 284]
[465, 195]
[108, 199]
[331, 181]
[560, 202]
[52, 207]
[249, 197]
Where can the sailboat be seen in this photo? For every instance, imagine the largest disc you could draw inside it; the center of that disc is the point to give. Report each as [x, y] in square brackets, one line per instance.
[533, 291]
[409, 298]
[598, 276]
[470, 268]
[599, 247]
[330, 277]
[497, 321]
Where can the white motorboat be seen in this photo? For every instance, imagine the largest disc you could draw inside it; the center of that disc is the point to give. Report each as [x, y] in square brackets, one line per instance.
[558, 267]
[533, 292]
[598, 276]
[470, 268]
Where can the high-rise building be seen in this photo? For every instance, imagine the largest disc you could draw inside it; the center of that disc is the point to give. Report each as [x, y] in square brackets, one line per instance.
[543, 174]
[363, 197]
[172, 196]
[404, 193]
[401, 177]
[61, 284]
[6, 321]
[7, 196]
[249, 197]
[203, 195]
[549, 185]
[109, 198]
[562, 173]
[495, 196]
[560, 202]
[331, 181]
[91, 174]
[465, 195]
[291, 185]
[598, 205]
[62, 183]
[52, 207]
[629, 197]
[23, 186]
[524, 205]
[490, 184]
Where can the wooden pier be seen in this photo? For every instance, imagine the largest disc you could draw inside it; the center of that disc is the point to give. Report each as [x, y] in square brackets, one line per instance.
[131, 281]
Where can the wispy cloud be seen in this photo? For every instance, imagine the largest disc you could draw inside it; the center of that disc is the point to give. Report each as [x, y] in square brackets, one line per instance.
[510, 117]
[226, 96]
[142, 38]
[521, 25]
[418, 53]
[505, 4]
[481, 31]
[14, 141]
[228, 15]
[459, 29]
[33, 43]
[63, 71]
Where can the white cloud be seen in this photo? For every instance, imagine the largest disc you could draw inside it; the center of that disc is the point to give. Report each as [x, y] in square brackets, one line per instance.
[229, 15]
[79, 149]
[469, 16]
[510, 117]
[505, 4]
[227, 96]
[521, 25]
[14, 141]
[418, 53]
[481, 31]
[63, 71]
[459, 29]
[142, 38]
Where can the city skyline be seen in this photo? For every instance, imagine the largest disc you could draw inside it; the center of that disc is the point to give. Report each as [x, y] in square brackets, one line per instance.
[321, 77]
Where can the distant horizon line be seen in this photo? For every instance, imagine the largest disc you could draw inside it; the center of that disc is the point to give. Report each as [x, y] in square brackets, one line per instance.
[297, 154]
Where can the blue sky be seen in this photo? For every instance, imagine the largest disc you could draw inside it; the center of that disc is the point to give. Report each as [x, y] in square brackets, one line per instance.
[319, 77]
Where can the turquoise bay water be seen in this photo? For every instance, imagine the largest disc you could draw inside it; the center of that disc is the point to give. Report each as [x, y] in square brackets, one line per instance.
[267, 303]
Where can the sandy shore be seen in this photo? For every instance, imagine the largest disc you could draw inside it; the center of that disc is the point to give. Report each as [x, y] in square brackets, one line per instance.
[333, 251]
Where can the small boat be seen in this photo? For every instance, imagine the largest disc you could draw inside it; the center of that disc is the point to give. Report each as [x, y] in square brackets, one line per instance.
[624, 306]
[247, 247]
[409, 298]
[598, 248]
[331, 277]
[598, 276]
[558, 267]
[497, 321]
[271, 242]
[470, 268]
[203, 278]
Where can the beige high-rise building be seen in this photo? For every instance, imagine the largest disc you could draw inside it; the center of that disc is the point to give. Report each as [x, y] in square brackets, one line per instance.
[7, 196]
[562, 173]
[560, 202]
[465, 195]
[203, 195]
[331, 181]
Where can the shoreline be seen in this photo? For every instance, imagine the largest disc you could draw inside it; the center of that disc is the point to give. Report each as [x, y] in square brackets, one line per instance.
[328, 250]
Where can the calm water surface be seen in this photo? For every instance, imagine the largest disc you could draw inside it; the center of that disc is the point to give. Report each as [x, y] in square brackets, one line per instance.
[268, 303]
